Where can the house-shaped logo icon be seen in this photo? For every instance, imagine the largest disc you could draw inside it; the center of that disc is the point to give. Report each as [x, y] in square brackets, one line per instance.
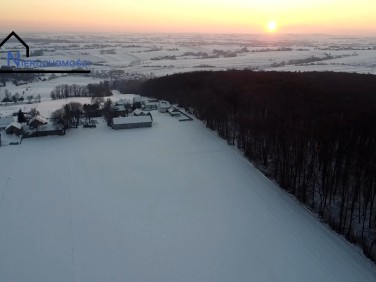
[19, 39]
[34, 66]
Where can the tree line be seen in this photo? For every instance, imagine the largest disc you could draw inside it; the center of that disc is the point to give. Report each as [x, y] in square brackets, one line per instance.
[314, 133]
[128, 86]
[64, 91]
[16, 97]
[71, 114]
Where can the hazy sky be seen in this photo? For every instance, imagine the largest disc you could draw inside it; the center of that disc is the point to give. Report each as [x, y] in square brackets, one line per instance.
[219, 16]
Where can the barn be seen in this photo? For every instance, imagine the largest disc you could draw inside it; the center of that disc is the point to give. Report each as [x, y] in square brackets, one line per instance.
[132, 122]
[14, 128]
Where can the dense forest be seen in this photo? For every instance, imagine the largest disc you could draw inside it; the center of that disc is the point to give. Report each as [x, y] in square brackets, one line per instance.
[127, 86]
[314, 133]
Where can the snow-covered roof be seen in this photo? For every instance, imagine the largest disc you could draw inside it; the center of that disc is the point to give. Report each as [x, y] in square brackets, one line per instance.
[122, 102]
[151, 104]
[40, 119]
[131, 119]
[139, 99]
[14, 124]
[152, 100]
[137, 112]
[6, 120]
[164, 104]
[173, 110]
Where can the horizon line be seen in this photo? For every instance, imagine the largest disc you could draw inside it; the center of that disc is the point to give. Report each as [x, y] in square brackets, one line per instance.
[193, 33]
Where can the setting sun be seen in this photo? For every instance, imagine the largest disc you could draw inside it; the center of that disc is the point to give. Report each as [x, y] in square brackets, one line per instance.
[272, 26]
[203, 16]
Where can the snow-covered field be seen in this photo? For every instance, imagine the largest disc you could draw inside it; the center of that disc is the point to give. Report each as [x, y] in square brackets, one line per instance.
[169, 203]
[161, 54]
[46, 107]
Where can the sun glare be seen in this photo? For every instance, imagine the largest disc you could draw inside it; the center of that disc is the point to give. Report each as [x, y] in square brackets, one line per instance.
[272, 26]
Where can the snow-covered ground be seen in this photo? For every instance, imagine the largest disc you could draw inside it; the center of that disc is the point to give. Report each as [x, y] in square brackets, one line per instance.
[46, 107]
[145, 55]
[169, 203]
[44, 88]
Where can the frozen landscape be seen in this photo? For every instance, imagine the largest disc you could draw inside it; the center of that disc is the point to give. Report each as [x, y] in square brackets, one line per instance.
[169, 203]
[148, 55]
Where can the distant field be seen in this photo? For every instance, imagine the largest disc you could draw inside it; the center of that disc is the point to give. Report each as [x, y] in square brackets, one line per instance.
[158, 55]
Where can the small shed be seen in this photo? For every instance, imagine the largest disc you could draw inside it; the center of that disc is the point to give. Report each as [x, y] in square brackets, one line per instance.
[138, 112]
[14, 128]
[132, 122]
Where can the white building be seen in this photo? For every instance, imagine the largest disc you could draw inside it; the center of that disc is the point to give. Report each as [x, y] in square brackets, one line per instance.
[164, 106]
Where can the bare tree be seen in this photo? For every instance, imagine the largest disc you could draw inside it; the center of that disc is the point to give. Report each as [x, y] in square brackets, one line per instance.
[29, 98]
[15, 97]
[33, 112]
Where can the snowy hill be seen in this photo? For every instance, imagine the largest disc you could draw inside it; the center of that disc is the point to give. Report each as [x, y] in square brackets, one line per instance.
[167, 203]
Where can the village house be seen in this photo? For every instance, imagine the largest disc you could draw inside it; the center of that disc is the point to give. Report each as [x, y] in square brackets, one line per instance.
[164, 106]
[124, 103]
[152, 100]
[139, 112]
[120, 110]
[139, 99]
[132, 122]
[150, 106]
[14, 128]
[37, 121]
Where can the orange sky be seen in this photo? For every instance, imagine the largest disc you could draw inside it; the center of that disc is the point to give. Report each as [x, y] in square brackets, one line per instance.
[206, 16]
